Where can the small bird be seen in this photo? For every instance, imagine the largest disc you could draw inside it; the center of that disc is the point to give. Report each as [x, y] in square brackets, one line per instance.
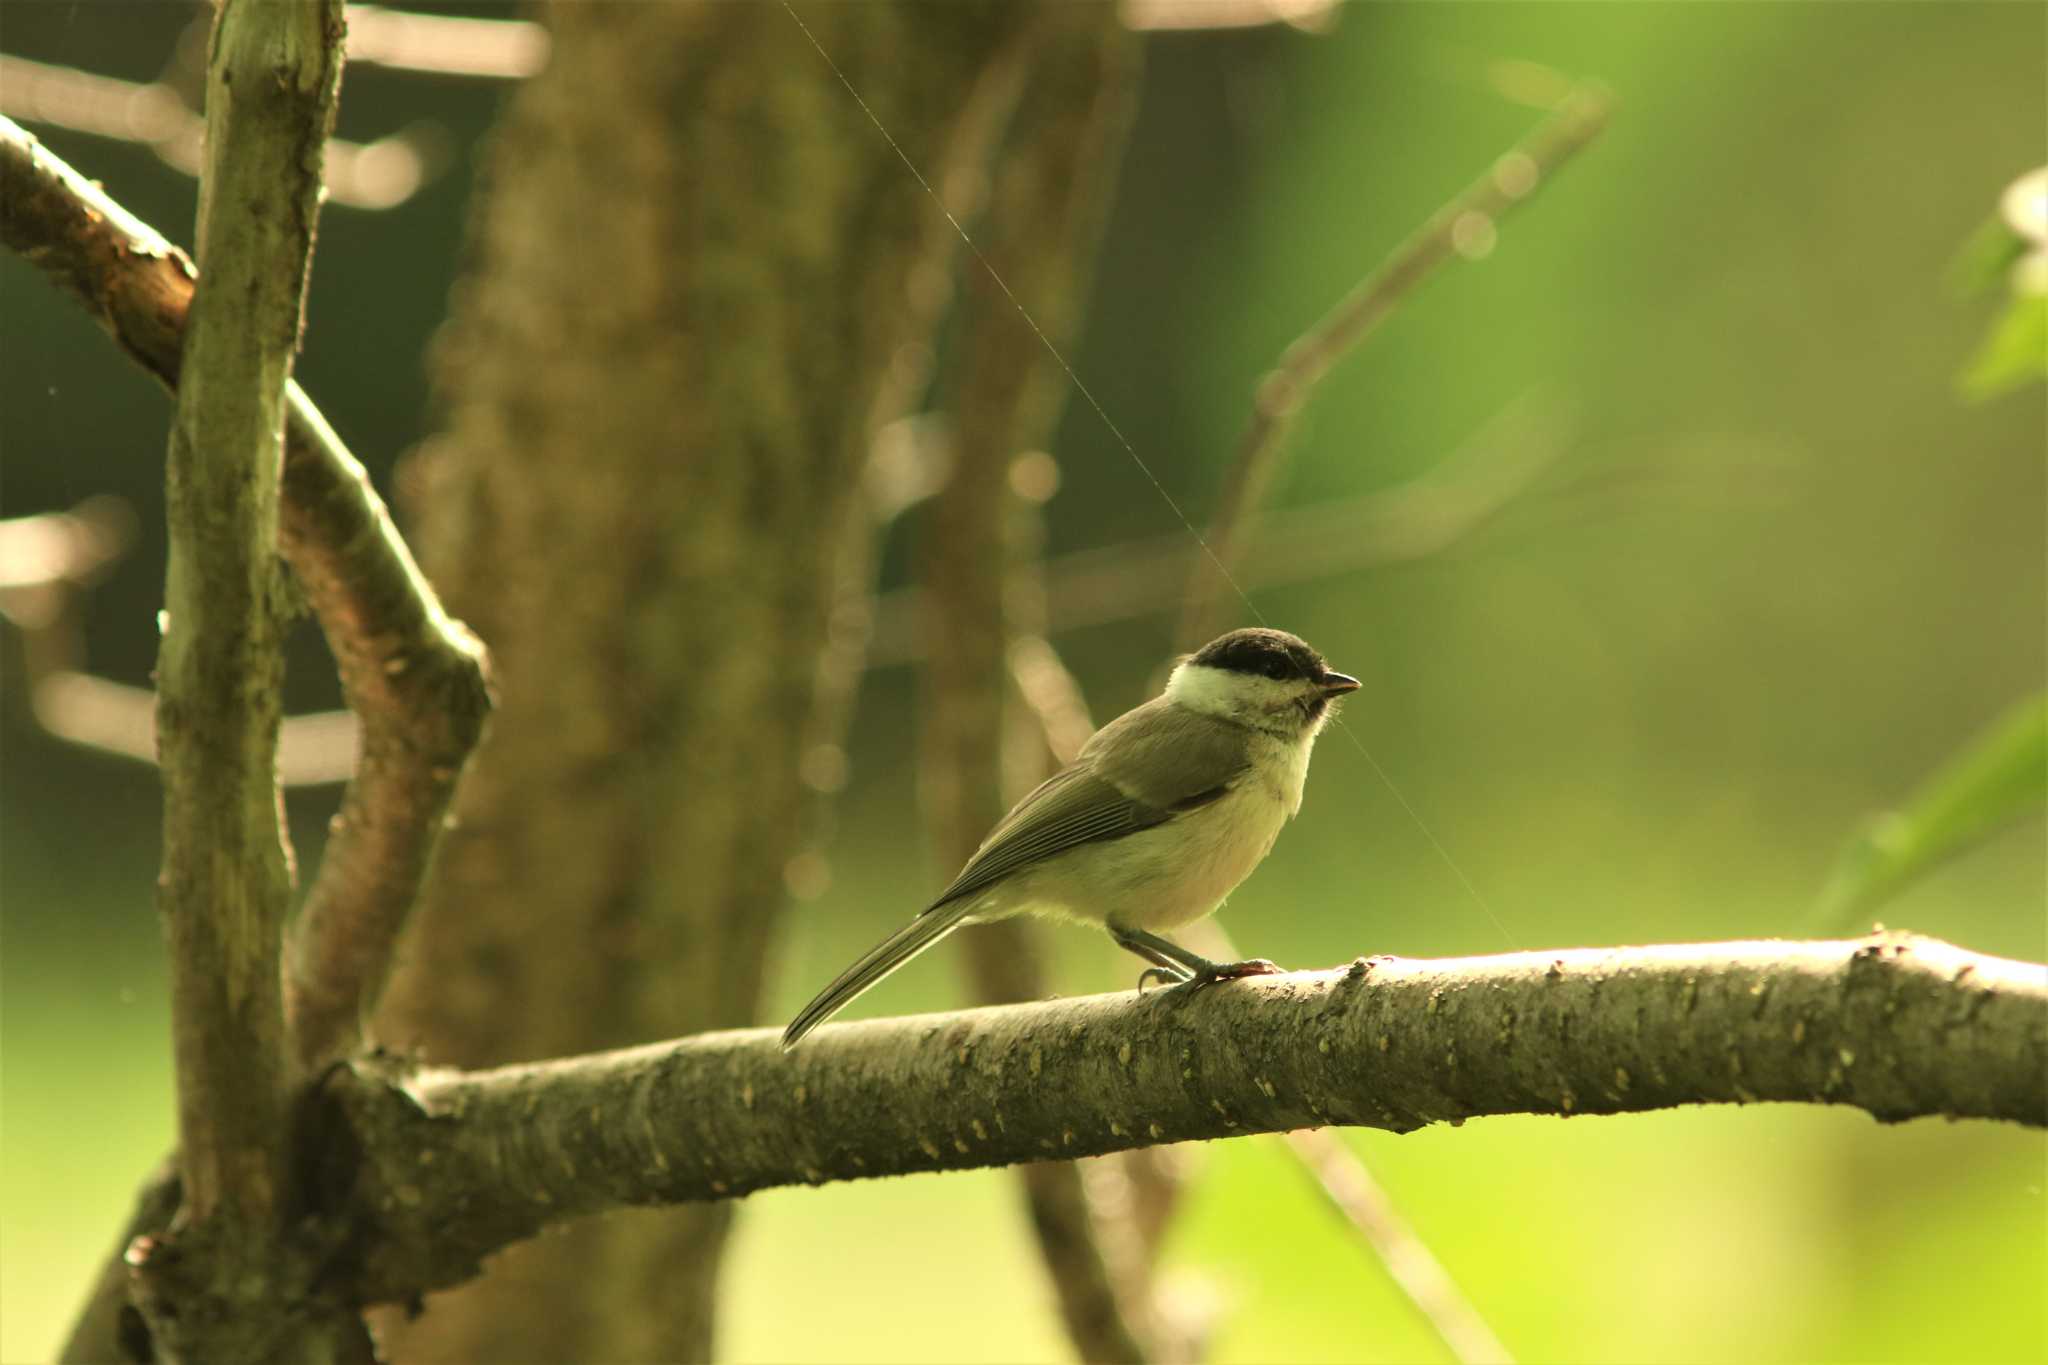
[1164, 811]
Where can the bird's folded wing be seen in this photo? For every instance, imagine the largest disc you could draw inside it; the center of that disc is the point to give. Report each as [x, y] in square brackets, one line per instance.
[1071, 808]
[1080, 805]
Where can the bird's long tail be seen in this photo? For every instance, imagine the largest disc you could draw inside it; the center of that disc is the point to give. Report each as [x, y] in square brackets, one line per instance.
[880, 960]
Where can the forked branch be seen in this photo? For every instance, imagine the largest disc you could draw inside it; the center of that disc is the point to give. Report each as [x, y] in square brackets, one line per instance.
[414, 676]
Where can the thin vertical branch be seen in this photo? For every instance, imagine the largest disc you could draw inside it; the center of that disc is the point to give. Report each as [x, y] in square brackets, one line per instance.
[966, 561]
[1132, 1194]
[904, 466]
[964, 565]
[207, 1291]
[1465, 225]
[1043, 217]
[1358, 1198]
[273, 75]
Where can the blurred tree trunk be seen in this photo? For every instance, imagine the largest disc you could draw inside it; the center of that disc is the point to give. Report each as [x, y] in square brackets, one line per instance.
[686, 291]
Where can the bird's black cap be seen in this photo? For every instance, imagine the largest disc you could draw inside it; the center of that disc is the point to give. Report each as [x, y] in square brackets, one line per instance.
[1263, 653]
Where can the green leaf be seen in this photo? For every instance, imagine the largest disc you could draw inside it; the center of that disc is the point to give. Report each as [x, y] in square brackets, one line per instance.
[2014, 353]
[1985, 259]
[1995, 780]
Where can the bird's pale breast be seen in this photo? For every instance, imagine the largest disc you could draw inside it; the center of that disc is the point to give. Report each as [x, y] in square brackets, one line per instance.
[1165, 878]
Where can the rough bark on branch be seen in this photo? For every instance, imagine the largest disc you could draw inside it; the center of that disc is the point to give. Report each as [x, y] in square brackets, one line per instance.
[219, 1285]
[418, 681]
[450, 1166]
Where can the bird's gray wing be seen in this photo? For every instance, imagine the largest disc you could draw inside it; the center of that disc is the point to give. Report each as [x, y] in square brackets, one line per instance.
[1087, 803]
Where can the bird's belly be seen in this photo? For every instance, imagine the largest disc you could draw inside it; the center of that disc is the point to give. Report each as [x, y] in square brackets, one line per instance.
[1157, 880]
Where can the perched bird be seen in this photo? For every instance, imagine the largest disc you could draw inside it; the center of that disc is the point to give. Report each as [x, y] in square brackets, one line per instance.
[1164, 811]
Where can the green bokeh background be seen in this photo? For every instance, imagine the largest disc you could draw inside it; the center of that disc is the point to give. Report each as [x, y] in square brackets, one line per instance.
[1780, 573]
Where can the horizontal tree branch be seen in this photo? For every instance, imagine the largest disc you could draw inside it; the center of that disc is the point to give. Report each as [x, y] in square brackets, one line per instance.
[450, 1166]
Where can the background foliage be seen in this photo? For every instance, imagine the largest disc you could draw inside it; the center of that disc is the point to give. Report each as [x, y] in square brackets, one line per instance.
[1781, 575]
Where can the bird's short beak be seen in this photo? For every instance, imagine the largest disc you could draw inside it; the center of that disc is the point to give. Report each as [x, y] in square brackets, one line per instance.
[1337, 684]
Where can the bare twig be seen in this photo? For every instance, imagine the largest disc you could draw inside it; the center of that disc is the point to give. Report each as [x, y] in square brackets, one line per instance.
[1054, 698]
[150, 113]
[1043, 218]
[909, 459]
[45, 563]
[1427, 513]
[1425, 516]
[131, 280]
[60, 548]
[446, 45]
[417, 680]
[1438, 509]
[1896, 1025]
[1415, 1270]
[966, 564]
[1357, 1197]
[1417, 519]
[1315, 16]
[317, 749]
[1047, 718]
[1464, 225]
[209, 1290]
[360, 175]
[1139, 1188]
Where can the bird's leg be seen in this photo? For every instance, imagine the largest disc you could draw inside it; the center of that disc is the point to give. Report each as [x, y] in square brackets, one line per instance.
[1164, 969]
[1174, 965]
